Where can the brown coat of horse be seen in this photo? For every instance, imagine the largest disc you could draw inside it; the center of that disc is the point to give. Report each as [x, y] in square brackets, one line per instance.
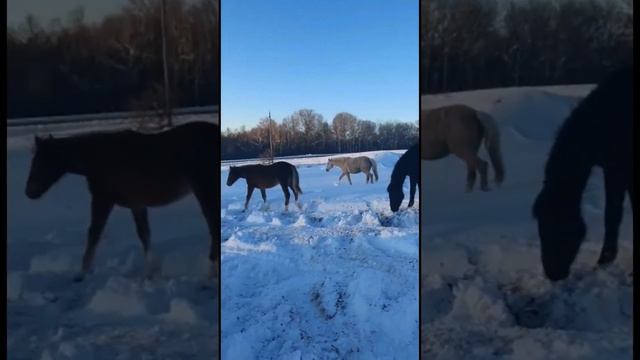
[265, 177]
[459, 130]
[136, 171]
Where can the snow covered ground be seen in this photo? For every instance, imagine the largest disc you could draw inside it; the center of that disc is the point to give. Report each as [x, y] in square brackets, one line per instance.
[483, 291]
[113, 314]
[337, 280]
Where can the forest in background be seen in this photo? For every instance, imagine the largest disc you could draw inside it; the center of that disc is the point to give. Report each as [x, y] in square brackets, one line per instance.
[74, 67]
[307, 132]
[475, 44]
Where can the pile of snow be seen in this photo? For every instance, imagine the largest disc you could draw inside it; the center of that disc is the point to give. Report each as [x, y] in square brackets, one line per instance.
[337, 279]
[484, 294]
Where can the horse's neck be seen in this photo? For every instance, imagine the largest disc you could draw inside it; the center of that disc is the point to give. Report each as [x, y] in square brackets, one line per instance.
[398, 175]
[76, 157]
[242, 172]
[566, 174]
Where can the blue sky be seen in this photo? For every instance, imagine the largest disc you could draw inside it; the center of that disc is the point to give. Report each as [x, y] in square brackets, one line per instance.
[357, 56]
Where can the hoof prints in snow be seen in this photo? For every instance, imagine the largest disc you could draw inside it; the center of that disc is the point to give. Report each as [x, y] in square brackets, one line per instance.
[321, 292]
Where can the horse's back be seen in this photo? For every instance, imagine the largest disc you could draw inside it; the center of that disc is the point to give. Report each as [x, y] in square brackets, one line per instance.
[283, 169]
[184, 150]
[616, 115]
[452, 128]
[410, 161]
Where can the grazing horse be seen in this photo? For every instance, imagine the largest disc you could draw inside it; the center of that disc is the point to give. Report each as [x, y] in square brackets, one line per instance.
[407, 165]
[135, 171]
[350, 165]
[265, 177]
[459, 130]
[599, 132]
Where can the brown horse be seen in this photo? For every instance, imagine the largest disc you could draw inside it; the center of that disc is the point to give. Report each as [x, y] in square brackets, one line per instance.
[265, 177]
[350, 165]
[459, 130]
[136, 171]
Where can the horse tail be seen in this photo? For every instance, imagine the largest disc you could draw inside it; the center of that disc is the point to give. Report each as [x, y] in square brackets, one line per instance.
[374, 167]
[295, 179]
[492, 144]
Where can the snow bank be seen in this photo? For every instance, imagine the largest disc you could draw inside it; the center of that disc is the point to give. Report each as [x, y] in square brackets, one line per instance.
[337, 279]
[483, 291]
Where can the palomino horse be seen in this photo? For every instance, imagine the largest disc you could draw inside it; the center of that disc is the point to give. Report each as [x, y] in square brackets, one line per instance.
[599, 132]
[407, 165]
[265, 177]
[135, 171]
[459, 130]
[350, 165]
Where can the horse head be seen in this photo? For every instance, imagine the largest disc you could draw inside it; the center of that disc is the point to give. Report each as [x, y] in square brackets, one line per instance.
[329, 164]
[561, 229]
[395, 196]
[47, 167]
[234, 175]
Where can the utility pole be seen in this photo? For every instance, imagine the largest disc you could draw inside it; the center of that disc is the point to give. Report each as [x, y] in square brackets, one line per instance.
[270, 138]
[167, 107]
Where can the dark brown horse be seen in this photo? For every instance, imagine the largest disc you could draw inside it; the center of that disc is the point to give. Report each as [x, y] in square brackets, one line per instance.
[599, 132]
[407, 165]
[265, 177]
[135, 171]
[460, 130]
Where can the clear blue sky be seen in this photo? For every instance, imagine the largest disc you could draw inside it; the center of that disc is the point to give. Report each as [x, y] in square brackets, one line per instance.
[359, 56]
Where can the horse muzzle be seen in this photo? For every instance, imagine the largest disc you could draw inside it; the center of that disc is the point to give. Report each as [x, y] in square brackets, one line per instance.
[33, 193]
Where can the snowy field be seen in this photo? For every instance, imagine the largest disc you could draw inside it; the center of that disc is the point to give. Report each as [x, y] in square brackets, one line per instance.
[337, 280]
[483, 291]
[113, 314]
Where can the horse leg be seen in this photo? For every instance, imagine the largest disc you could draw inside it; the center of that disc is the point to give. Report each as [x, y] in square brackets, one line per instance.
[263, 192]
[615, 189]
[140, 217]
[206, 196]
[295, 196]
[475, 164]
[287, 195]
[483, 167]
[349, 177]
[412, 190]
[100, 210]
[249, 193]
[471, 175]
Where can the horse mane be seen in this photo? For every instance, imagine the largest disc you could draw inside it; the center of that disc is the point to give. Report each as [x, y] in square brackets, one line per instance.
[573, 153]
[401, 169]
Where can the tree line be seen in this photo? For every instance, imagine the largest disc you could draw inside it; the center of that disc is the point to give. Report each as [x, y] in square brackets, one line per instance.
[473, 44]
[72, 67]
[307, 132]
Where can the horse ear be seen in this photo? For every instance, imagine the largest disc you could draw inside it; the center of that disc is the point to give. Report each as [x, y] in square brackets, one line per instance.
[50, 137]
[36, 140]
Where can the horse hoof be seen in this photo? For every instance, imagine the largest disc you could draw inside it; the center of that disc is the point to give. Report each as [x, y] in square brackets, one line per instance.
[606, 259]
